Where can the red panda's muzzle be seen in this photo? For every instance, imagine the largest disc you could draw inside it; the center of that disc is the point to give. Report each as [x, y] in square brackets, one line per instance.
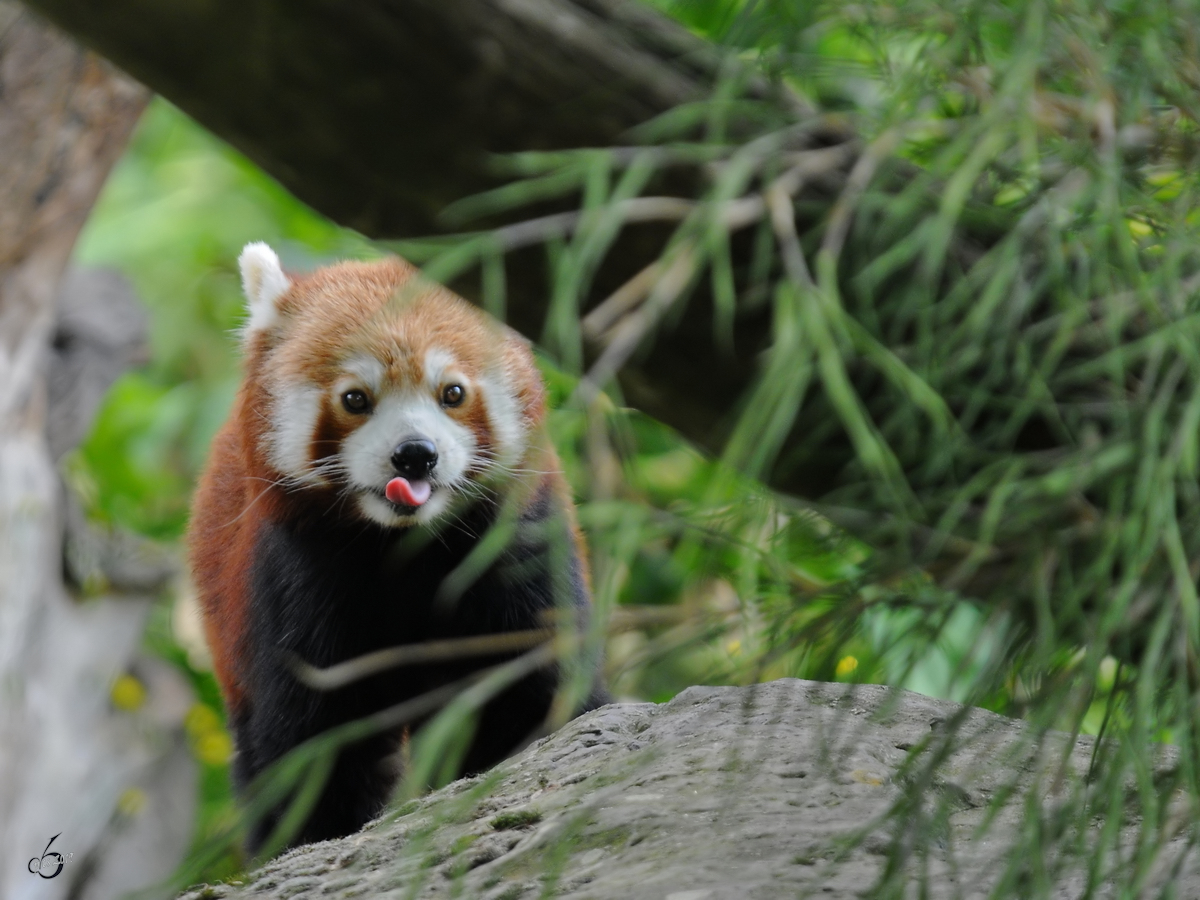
[414, 461]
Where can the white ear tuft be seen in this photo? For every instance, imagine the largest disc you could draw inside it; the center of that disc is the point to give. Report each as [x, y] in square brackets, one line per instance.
[264, 283]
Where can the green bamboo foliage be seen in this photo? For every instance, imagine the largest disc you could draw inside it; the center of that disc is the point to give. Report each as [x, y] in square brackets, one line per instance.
[989, 326]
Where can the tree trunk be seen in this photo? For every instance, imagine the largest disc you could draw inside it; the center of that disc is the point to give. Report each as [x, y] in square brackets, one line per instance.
[65, 117]
[381, 113]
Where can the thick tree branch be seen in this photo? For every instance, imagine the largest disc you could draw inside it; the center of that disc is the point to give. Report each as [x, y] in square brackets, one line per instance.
[379, 114]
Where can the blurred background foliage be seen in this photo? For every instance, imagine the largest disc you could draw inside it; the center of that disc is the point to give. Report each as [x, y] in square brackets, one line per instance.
[1060, 138]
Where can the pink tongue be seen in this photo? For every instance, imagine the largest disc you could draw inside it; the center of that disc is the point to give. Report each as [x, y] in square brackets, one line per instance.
[403, 492]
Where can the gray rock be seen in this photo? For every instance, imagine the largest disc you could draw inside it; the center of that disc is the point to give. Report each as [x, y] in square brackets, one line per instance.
[787, 789]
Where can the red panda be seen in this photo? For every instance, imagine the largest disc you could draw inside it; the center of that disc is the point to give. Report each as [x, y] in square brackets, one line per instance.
[374, 407]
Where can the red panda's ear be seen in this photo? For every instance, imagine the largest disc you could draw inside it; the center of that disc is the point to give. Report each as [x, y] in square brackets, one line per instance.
[264, 283]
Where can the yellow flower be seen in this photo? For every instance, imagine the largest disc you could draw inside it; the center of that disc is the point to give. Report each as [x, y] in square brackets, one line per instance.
[210, 742]
[200, 720]
[213, 748]
[127, 693]
[131, 802]
[847, 665]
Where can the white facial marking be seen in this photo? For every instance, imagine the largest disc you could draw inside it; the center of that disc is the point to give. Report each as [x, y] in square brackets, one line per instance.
[399, 417]
[504, 415]
[362, 372]
[264, 283]
[439, 368]
[294, 415]
[364, 459]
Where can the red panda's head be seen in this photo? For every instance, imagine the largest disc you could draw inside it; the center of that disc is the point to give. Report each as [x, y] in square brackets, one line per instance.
[394, 393]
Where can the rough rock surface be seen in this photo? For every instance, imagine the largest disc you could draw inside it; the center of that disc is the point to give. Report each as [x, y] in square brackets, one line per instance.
[787, 789]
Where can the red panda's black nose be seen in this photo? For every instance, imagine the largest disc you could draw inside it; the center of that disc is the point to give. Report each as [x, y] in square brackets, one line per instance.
[415, 459]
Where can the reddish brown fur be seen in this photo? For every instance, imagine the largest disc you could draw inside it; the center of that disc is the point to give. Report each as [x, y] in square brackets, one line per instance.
[370, 308]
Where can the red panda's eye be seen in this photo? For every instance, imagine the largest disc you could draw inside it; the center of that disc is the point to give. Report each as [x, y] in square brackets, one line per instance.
[453, 394]
[356, 402]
